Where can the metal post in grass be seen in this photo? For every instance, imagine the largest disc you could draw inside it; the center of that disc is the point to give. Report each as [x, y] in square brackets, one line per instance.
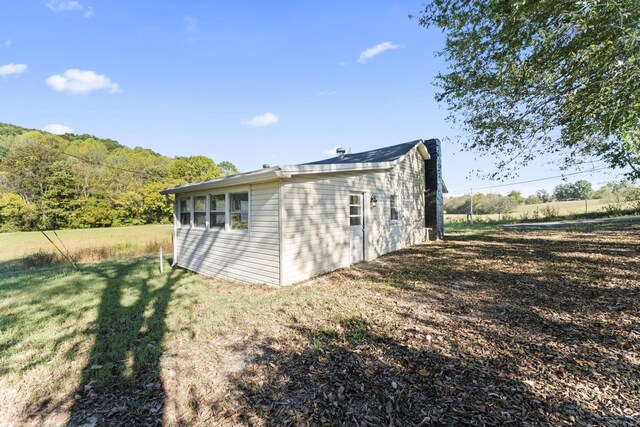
[161, 266]
[65, 256]
[471, 208]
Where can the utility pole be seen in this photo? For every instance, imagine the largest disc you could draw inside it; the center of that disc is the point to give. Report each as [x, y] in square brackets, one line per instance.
[471, 208]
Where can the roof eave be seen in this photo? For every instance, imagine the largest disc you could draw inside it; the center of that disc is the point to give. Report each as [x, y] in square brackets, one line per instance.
[240, 179]
[332, 168]
[353, 167]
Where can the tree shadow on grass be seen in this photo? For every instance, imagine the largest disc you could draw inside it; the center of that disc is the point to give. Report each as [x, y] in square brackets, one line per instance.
[521, 345]
[121, 383]
[364, 375]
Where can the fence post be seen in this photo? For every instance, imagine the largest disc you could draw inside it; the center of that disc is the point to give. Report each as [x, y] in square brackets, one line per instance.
[161, 266]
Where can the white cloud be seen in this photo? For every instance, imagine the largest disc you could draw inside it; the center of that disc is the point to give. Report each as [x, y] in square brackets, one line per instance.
[62, 5]
[81, 81]
[70, 5]
[6, 70]
[376, 50]
[265, 119]
[57, 129]
[5, 44]
[327, 93]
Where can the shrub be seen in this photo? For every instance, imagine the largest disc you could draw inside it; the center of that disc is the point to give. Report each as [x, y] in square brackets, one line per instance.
[42, 258]
[549, 212]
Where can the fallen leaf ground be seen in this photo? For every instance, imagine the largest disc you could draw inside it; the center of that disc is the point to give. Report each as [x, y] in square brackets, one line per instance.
[526, 327]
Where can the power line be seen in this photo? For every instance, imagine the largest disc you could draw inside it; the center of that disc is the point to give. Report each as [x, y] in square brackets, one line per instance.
[528, 181]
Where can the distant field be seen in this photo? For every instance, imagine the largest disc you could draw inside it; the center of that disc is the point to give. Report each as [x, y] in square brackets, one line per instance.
[18, 245]
[562, 209]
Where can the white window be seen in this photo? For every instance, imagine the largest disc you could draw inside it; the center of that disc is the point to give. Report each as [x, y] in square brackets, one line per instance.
[393, 205]
[217, 214]
[200, 211]
[239, 211]
[185, 211]
[355, 209]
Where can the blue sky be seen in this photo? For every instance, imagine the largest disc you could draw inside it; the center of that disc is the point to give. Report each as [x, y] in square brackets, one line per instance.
[251, 82]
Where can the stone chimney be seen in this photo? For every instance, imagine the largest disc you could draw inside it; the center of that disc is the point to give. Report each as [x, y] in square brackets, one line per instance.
[434, 205]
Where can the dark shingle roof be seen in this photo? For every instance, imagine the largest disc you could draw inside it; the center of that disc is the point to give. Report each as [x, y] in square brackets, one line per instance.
[386, 154]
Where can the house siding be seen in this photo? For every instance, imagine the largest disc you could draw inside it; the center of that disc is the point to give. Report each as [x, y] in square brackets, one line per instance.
[315, 216]
[234, 255]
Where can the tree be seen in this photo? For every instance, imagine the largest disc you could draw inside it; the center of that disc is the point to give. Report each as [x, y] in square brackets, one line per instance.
[4, 151]
[61, 197]
[536, 78]
[578, 190]
[15, 213]
[482, 204]
[583, 190]
[544, 196]
[49, 181]
[516, 196]
[493, 204]
[618, 192]
[563, 192]
[532, 200]
[156, 208]
[227, 168]
[193, 169]
[26, 168]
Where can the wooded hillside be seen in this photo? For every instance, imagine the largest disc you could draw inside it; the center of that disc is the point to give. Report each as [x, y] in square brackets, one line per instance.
[50, 182]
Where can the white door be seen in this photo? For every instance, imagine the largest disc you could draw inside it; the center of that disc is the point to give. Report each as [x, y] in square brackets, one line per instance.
[356, 226]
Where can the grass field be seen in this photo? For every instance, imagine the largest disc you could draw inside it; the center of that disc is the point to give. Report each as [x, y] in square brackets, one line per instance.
[85, 244]
[542, 210]
[535, 327]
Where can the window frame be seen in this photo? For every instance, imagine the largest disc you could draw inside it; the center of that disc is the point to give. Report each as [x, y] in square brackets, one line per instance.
[193, 211]
[230, 212]
[359, 205]
[393, 207]
[208, 217]
[180, 212]
[222, 227]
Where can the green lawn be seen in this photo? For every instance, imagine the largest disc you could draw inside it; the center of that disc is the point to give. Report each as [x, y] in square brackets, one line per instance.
[525, 327]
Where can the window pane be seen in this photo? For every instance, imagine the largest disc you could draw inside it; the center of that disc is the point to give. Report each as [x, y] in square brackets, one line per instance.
[393, 207]
[239, 221]
[240, 202]
[354, 210]
[217, 202]
[199, 204]
[217, 220]
[240, 211]
[354, 200]
[185, 218]
[354, 220]
[185, 206]
[199, 219]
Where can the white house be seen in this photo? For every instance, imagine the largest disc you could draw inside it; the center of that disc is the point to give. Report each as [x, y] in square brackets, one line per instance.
[284, 224]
